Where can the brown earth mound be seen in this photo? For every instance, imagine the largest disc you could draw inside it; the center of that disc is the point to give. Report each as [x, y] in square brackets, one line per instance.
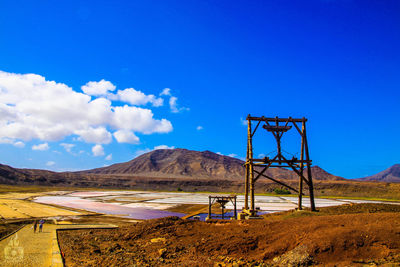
[390, 175]
[326, 240]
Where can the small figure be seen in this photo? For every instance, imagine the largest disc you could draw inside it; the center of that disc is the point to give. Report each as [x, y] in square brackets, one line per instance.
[41, 222]
[35, 226]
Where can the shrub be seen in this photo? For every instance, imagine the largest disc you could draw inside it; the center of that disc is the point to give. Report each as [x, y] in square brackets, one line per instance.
[282, 191]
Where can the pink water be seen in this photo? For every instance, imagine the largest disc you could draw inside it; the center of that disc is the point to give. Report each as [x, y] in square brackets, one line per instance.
[106, 208]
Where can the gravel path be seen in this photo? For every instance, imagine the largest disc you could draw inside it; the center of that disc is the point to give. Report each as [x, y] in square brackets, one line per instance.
[26, 248]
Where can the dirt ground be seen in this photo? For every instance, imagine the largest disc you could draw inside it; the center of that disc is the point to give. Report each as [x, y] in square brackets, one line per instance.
[7, 228]
[355, 235]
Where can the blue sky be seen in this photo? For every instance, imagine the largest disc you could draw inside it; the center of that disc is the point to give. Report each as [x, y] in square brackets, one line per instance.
[83, 83]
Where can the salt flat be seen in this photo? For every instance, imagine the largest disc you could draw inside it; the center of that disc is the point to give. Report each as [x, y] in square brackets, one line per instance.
[137, 204]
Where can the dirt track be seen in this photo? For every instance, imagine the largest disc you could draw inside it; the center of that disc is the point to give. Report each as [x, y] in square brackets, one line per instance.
[372, 236]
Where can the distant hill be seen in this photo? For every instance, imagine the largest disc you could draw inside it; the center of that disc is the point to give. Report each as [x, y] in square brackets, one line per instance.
[163, 163]
[390, 175]
[322, 175]
[187, 170]
[178, 163]
[14, 176]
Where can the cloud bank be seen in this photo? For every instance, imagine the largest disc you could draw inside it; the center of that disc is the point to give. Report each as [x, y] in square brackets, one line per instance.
[32, 107]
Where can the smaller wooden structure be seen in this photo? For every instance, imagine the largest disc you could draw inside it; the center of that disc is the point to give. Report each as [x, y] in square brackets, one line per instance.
[222, 200]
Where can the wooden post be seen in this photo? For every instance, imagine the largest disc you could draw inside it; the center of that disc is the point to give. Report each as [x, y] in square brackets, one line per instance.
[251, 173]
[235, 211]
[246, 185]
[301, 166]
[209, 207]
[310, 182]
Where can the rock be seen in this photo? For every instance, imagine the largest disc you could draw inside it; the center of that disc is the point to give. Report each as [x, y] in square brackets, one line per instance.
[162, 252]
[296, 257]
[159, 239]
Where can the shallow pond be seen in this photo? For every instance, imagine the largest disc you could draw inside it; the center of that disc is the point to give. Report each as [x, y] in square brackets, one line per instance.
[76, 202]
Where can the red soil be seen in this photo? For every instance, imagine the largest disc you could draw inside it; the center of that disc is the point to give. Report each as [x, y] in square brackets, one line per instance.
[327, 240]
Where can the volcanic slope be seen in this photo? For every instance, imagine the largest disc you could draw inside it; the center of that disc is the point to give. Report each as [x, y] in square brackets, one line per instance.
[178, 163]
[390, 175]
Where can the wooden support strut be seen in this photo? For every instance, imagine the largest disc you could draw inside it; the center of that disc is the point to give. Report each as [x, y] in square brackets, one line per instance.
[262, 172]
[310, 182]
[278, 182]
[301, 165]
[274, 119]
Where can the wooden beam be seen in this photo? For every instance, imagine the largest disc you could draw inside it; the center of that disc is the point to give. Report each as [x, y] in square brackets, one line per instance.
[274, 119]
[298, 129]
[276, 161]
[300, 203]
[276, 181]
[262, 172]
[255, 129]
[310, 182]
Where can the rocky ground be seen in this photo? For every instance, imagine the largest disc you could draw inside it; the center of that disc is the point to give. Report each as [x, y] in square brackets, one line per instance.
[356, 234]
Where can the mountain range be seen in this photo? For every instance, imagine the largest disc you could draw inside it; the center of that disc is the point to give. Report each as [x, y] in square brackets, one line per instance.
[179, 163]
[171, 168]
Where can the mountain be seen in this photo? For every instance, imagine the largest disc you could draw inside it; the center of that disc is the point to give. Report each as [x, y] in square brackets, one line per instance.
[390, 175]
[10, 175]
[178, 163]
[182, 169]
[14, 176]
[322, 175]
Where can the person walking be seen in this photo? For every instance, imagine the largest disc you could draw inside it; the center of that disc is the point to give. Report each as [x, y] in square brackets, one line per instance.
[35, 226]
[41, 222]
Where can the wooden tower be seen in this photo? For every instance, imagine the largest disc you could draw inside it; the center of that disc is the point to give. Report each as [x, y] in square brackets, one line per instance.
[256, 168]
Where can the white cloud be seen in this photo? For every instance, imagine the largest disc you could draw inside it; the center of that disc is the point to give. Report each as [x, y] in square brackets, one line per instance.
[98, 150]
[19, 144]
[135, 97]
[109, 157]
[98, 88]
[166, 91]
[6, 140]
[126, 136]
[173, 105]
[50, 163]
[67, 147]
[41, 147]
[33, 108]
[173, 101]
[163, 147]
[98, 135]
[139, 120]
[243, 122]
[199, 128]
